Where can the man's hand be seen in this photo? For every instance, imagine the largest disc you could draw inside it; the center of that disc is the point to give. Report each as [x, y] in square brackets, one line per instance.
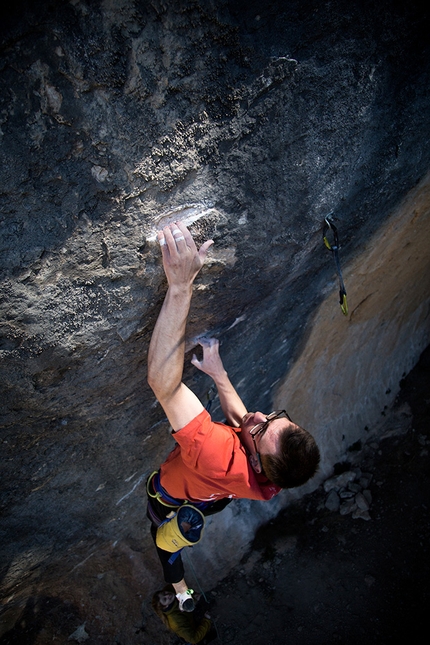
[211, 363]
[231, 403]
[181, 259]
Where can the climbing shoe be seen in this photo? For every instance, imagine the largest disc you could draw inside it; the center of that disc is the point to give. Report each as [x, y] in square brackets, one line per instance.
[186, 602]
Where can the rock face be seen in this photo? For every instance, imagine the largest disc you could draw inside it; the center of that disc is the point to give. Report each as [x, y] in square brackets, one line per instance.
[352, 369]
[251, 121]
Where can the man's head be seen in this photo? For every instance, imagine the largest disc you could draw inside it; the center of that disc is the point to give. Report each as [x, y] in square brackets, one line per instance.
[164, 598]
[286, 453]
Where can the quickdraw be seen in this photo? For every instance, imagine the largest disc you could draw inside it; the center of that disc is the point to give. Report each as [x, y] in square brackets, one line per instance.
[334, 248]
[210, 397]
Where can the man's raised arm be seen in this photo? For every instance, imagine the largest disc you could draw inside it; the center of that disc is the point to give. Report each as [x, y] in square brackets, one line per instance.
[182, 262]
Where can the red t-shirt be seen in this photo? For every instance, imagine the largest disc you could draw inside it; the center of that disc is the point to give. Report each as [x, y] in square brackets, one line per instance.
[210, 463]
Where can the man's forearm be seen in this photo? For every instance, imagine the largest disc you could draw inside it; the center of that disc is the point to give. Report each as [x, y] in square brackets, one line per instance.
[231, 403]
[167, 346]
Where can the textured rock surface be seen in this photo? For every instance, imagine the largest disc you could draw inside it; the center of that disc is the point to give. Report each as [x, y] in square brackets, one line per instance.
[353, 368]
[252, 121]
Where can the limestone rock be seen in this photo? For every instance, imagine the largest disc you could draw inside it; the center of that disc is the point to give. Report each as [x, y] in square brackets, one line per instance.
[118, 117]
[340, 481]
[80, 635]
[332, 502]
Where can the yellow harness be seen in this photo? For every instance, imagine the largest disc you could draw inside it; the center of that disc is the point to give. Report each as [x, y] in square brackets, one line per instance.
[158, 495]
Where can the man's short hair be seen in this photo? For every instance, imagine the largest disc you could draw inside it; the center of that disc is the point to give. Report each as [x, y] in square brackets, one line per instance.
[156, 604]
[297, 460]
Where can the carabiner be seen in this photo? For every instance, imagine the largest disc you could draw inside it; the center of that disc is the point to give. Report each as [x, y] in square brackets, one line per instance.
[328, 224]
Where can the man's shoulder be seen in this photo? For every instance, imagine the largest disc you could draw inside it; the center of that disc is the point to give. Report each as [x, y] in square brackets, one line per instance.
[202, 432]
[204, 421]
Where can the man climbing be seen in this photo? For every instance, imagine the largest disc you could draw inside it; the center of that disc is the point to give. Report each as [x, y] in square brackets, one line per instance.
[194, 627]
[253, 457]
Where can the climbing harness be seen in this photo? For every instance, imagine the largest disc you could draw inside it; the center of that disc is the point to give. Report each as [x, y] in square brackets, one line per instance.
[334, 248]
[159, 493]
[156, 491]
[170, 535]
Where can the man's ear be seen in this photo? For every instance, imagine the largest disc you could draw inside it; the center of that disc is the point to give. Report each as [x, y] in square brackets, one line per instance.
[255, 463]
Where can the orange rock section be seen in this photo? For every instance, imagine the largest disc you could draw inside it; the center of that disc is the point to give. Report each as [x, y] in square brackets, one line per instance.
[350, 367]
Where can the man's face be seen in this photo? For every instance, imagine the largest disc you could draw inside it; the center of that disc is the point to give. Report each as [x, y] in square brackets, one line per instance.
[166, 598]
[267, 442]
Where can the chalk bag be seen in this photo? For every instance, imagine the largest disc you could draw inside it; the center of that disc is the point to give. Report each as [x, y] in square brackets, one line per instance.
[185, 528]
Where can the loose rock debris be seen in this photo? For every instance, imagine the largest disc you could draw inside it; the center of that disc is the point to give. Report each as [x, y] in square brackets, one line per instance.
[349, 493]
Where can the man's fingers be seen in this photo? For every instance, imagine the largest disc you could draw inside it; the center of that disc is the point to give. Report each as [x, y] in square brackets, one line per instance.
[186, 234]
[177, 234]
[161, 239]
[204, 248]
[208, 343]
[204, 342]
[212, 342]
[189, 239]
[170, 240]
[195, 361]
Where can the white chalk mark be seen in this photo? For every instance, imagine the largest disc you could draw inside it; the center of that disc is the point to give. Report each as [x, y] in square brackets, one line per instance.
[81, 563]
[187, 214]
[139, 481]
[237, 321]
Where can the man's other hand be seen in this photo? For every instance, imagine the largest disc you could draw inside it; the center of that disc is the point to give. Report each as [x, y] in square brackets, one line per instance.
[211, 362]
[181, 259]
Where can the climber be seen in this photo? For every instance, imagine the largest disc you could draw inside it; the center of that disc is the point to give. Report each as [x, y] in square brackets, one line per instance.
[195, 627]
[253, 457]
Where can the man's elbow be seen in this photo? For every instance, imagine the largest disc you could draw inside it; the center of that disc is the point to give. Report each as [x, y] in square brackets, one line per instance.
[153, 382]
[161, 387]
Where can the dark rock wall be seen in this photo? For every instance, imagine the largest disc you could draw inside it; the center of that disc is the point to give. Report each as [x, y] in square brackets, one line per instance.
[251, 120]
